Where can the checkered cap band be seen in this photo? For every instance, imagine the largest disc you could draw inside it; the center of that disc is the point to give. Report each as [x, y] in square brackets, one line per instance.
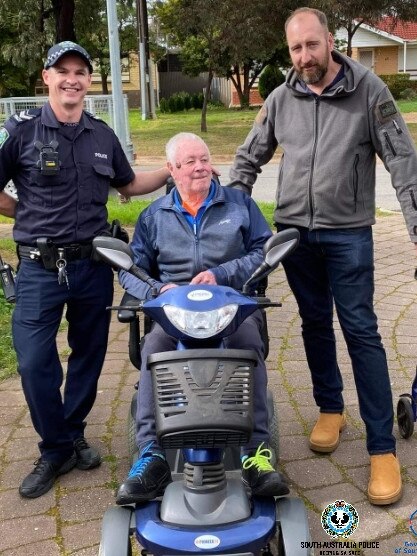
[67, 47]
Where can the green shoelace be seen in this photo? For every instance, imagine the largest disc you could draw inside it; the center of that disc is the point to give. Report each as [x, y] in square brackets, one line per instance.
[261, 459]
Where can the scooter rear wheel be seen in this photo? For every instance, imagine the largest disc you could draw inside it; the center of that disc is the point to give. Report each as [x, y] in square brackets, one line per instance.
[131, 429]
[115, 532]
[273, 426]
[405, 416]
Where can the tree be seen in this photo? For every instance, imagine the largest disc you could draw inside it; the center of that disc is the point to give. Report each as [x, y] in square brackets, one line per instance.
[351, 15]
[217, 38]
[29, 27]
[92, 30]
[270, 78]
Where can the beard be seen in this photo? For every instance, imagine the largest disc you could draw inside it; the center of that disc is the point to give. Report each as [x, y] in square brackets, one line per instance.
[312, 77]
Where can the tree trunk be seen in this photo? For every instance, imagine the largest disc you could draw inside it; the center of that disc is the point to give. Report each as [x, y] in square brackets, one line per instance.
[104, 83]
[64, 20]
[203, 126]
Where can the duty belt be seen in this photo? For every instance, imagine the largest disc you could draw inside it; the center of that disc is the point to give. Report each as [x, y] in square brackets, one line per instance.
[71, 252]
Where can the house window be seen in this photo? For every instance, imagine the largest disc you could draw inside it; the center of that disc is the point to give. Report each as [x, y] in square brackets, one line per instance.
[366, 58]
[125, 69]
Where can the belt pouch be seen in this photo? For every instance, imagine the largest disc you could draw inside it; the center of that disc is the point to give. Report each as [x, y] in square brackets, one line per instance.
[48, 252]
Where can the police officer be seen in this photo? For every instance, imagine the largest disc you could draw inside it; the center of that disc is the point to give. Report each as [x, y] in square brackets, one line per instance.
[62, 161]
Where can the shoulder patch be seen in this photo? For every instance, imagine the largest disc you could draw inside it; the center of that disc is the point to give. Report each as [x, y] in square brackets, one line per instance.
[385, 110]
[261, 116]
[4, 135]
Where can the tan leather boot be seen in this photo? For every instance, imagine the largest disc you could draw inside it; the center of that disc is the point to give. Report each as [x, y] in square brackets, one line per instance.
[385, 485]
[325, 436]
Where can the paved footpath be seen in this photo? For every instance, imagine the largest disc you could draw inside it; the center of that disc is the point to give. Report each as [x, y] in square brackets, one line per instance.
[66, 521]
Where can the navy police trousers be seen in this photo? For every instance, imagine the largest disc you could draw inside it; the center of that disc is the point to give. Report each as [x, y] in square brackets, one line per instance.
[58, 417]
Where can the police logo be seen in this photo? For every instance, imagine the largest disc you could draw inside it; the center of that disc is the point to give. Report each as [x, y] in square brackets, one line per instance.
[339, 519]
[4, 135]
[413, 523]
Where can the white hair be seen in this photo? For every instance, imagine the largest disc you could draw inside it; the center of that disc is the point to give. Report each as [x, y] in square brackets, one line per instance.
[172, 146]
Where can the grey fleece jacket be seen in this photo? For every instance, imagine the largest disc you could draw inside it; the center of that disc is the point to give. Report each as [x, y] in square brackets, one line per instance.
[327, 170]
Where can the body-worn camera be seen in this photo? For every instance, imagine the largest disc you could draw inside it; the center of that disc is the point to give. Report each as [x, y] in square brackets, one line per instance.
[7, 281]
[48, 162]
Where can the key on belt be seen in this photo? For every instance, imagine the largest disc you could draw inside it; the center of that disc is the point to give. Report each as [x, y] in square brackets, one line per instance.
[61, 264]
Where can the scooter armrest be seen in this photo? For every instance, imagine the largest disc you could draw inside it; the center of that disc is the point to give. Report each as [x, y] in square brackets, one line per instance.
[128, 315]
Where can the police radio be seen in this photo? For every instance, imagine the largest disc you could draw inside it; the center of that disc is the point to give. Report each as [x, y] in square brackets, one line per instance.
[7, 281]
[48, 162]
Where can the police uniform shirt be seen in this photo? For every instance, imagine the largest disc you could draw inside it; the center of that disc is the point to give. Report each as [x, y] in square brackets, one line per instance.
[69, 205]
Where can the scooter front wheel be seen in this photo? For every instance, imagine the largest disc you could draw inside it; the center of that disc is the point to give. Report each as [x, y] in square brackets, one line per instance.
[405, 416]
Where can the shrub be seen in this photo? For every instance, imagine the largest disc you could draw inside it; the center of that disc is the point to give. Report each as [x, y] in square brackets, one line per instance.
[163, 105]
[270, 78]
[172, 104]
[397, 83]
[408, 94]
[197, 100]
[178, 102]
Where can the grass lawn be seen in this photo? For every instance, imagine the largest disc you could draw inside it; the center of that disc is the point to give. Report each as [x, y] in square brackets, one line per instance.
[227, 129]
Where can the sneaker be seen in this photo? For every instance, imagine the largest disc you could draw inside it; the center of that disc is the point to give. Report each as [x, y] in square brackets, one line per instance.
[87, 457]
[42, 478]
[147, 479]
[259, 475]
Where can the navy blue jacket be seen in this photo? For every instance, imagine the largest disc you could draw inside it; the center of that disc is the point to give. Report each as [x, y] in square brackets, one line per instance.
[71, 205]
[228, 241]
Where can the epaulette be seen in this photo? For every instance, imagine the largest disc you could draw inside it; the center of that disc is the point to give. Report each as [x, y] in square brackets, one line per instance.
[25, 115]
[91, 115]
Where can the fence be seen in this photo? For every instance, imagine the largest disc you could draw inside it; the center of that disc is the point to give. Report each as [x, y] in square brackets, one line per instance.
[99, 105]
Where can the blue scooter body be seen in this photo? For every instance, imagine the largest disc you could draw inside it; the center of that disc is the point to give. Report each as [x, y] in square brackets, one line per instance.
[205, 510]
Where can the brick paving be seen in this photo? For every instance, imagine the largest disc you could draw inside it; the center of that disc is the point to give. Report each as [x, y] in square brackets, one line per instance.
[66, 521]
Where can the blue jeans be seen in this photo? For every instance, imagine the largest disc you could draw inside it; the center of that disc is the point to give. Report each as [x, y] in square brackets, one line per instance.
[335, 266]
[247, 336]
[40, 302]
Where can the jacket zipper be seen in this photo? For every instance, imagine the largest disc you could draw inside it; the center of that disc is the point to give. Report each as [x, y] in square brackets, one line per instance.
[355, 181]
[389, 143]
[413, 200]
[310, 181]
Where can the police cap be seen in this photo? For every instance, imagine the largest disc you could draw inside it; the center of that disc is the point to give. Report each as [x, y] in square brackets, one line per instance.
[61, 49]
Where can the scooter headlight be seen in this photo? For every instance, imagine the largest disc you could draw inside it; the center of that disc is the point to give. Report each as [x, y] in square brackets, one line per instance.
[201, 324]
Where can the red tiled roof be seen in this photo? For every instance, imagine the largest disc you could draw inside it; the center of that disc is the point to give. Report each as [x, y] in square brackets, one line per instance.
[404, 29]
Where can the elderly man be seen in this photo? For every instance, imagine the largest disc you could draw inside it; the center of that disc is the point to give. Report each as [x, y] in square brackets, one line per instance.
[199, 234]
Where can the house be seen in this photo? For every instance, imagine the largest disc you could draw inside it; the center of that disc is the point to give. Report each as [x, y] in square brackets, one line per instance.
[386, 48]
